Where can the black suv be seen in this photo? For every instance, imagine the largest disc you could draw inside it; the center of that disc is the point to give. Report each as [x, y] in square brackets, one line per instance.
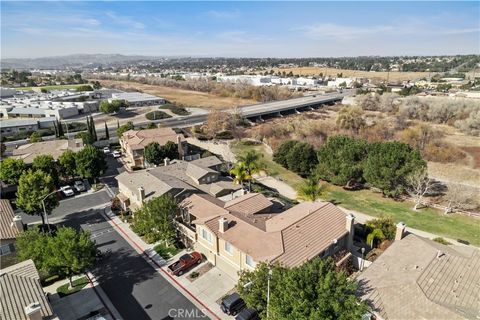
[247, 314]
[232, 304]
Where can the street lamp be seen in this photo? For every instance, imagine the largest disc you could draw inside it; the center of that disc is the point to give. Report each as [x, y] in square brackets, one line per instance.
[363, 261]
[249, 284]
[45, 210]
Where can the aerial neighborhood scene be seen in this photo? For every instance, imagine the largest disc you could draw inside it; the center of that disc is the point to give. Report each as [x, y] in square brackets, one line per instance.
[241, 160]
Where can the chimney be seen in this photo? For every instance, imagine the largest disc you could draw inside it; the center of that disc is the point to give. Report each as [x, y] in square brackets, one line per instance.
[181, 152]
[166, 161]
[141, 193]
[351, 230]
[400, 231]
[34, 311]
[17, 222]
[222, 224]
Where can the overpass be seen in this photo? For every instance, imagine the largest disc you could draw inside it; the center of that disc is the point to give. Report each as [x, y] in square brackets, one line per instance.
[255, 111]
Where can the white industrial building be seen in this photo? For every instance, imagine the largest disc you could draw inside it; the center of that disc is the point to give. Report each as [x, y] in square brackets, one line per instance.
[11, 127]
[137, 99]
[349, 82]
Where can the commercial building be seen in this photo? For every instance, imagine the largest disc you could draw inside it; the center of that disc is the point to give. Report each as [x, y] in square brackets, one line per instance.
[14, 126]
[417, 278]
[55, 148]
[138, 99]
[238, 234]
[133, 143]
[21, 294]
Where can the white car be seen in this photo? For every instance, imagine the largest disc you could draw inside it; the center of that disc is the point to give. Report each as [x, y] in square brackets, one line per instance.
[106, 150]
[67, 191]
[116, 154]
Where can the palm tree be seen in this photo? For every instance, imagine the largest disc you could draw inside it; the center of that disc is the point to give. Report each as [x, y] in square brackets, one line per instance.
[241, 174]
[250, 161]
[376, 233]
[310, 190]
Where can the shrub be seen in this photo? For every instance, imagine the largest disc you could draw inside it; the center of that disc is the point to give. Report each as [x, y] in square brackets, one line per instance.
[179, 110]
[441, 240]
[224, 135]
[157, 115]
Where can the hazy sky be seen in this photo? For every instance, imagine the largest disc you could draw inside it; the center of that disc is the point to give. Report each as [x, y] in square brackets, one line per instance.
[240, 29]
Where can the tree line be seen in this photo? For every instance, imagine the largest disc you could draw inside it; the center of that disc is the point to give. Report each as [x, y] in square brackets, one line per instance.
[351, 162]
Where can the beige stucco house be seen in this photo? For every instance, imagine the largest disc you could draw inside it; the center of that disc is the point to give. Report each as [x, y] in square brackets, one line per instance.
[10, 227]
[133, 142]
[55, 148]
[237, 234]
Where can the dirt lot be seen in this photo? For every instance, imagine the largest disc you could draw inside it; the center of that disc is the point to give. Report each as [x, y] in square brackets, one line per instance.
[392, 76]
[184, 97]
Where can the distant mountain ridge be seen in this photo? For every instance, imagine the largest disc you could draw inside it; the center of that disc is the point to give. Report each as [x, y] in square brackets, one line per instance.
[74, 60]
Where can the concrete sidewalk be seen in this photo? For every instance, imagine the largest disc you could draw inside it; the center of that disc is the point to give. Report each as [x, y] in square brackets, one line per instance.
[203, 302]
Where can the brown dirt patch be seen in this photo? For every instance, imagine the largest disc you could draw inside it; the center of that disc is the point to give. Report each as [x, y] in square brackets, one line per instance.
[187, 98]
[474, 152]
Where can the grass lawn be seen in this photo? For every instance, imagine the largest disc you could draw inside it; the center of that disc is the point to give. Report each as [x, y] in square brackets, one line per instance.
[166, 252]
[78, 285]
[453, 226]
[59, 87]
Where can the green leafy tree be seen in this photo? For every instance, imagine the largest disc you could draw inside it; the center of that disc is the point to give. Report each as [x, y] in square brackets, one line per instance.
[154, 220]
[125, 128]
[67, 164]
[341, 159]
[86, 137]
[170, 150]
[107, 107]
[11, 169]
[302, 158]
[32, 244]
[313, 290]
[90, 162]
[47, 164]
[154, 153]
[310, 190]
[389, 164]
[117, 104]
[35, 137]
[280, 155]
[33, 186]
[71, 252]
[251, 162]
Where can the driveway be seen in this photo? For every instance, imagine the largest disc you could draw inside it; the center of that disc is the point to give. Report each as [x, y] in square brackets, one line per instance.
[133, 286]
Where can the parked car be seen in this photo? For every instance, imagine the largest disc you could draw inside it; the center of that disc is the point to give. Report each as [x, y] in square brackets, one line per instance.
[232, 304]
[79, 186]
[247, 314]
[185, 262]
[67, 191]
[106, 150]
[116, 154]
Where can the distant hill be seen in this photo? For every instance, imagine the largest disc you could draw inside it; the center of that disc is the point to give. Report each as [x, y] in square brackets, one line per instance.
[75, 60]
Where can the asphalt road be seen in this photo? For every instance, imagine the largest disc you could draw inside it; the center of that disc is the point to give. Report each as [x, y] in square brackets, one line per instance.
[134, 287]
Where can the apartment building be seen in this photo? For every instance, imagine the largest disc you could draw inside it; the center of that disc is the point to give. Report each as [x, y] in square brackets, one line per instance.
[237, 234]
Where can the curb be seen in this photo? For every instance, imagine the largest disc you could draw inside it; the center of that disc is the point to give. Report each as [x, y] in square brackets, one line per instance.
[164, 272]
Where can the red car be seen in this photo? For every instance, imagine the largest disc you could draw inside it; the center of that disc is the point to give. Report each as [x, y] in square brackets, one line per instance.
[185, 262]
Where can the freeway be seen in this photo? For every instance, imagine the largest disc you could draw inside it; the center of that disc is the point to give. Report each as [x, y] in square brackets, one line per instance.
[249, 111]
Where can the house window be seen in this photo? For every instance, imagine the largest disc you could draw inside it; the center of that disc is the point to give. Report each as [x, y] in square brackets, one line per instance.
[249, 261]
[206, 235]
[228, 247]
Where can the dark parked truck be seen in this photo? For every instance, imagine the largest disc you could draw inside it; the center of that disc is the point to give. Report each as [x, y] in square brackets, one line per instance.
[184, 263]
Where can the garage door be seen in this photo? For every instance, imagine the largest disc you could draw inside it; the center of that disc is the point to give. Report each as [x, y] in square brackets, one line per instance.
[227, 267]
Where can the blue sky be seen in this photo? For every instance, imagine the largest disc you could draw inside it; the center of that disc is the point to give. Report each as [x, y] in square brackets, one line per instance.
[240, 29]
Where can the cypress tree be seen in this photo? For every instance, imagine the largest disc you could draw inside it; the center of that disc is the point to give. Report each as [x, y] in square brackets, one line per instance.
[94, 131]
[107, 134]
[118, 124]
[56, 130]
[60, 128]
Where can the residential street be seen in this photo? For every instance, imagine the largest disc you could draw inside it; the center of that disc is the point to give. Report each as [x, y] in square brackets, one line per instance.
[134, 287]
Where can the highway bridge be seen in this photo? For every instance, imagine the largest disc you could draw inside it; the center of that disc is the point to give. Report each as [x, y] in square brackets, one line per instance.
[251, 112]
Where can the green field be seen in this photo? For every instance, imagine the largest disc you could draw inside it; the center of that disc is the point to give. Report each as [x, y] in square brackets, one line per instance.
[59, 87]
[454, 226]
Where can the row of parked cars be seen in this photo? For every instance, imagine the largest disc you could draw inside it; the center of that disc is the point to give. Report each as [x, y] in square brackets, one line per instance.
[115, 153]
[68, 191]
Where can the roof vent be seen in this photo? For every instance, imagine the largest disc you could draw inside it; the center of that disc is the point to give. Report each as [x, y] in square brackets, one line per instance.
[440, 254]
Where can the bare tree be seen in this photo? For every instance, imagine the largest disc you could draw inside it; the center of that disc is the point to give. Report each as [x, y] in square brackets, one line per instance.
[217, 121]
[459, 196]
[418, 185]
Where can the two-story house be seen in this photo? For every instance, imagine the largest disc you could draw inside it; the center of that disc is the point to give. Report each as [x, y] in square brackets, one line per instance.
[238, 234]
[133, 143]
